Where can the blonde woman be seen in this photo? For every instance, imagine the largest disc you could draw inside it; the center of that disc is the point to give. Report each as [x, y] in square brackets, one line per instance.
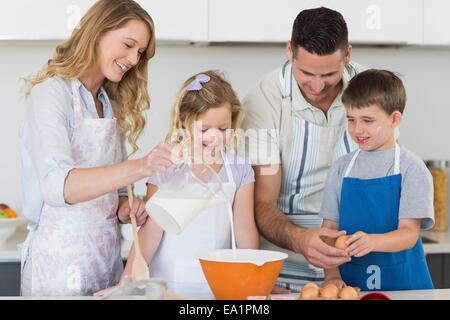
[80, 109]
[206, 116]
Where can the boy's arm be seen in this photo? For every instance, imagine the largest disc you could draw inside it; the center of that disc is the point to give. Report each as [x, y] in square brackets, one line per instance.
[405, 237]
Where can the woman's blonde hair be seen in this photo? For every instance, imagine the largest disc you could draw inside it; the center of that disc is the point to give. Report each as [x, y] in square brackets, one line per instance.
[189, 105]
[78, 56]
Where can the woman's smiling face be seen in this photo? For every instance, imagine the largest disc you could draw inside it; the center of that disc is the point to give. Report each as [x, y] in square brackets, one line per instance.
[121, 49]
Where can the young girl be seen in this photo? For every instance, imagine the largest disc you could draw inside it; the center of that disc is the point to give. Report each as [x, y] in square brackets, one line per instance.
[209, 110]
[80, 107]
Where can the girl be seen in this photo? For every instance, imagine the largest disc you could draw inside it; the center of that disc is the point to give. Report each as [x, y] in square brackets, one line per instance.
[209, 111]
[80, 106]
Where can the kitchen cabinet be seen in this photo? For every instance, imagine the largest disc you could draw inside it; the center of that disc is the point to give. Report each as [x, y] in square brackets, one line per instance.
[10, 278]
[369, 21]
[436, 15]
[439, 267]
[179, 19]
[55, 20]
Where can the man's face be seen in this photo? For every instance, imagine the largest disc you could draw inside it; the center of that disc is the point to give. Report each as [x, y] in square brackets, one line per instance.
[318, 77]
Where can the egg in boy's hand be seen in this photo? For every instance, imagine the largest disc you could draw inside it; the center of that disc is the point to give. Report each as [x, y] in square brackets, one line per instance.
[357, 245]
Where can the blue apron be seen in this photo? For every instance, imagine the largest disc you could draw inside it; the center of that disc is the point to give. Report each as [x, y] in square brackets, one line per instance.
[372, 206]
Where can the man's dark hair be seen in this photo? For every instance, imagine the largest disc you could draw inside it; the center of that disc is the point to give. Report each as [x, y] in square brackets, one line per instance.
[382, 88]
[320, 31]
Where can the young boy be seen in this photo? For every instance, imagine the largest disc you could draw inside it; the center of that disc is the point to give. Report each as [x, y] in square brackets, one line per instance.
[381, 195]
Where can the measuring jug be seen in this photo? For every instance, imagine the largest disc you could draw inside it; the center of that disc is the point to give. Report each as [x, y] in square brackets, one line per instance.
[193, 186]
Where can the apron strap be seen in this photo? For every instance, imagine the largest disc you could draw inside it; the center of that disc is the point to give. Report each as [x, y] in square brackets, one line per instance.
[396, 161]
[350, 166]
[285, 79]
[76, 103]
[227, 167]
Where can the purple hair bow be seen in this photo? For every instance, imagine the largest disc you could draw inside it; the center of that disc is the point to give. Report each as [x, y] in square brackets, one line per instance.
[196, 84]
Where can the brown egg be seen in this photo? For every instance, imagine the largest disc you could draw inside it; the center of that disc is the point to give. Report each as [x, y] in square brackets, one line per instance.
[340, 242]
[329, 291]
[309, 293]
[310, 285]
[349, 293]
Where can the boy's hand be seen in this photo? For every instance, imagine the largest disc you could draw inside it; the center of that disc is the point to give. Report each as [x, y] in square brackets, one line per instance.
[360, 244]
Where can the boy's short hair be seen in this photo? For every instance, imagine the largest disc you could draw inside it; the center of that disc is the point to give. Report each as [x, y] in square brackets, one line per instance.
[375, 87]
[320, 31]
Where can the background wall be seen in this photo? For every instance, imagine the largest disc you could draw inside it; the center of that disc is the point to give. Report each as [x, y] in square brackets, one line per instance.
[424, 130]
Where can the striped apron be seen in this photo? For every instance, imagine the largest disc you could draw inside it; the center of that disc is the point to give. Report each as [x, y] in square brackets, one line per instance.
[307, 152]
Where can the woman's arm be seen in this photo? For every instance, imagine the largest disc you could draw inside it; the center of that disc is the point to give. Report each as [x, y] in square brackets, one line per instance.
[245, 229]
[83, 184]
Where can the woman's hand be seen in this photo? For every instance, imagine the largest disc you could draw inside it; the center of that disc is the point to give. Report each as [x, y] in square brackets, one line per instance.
[360, 244]
[138, 210]
[160, 158]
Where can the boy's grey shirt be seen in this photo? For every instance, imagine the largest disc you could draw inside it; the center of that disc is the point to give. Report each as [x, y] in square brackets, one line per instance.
[416, 199]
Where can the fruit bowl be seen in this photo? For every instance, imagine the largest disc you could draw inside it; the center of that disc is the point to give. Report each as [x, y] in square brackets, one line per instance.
[246, 273]
[9, 225]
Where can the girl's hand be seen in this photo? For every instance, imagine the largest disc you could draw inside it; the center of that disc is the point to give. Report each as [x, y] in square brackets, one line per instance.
[338, 282]
[138, 210]
[160, 158]
[361, 244]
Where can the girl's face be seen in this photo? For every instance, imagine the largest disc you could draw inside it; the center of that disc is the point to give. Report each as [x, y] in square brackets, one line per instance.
[121, 49]
[372, 128]
[211, 131]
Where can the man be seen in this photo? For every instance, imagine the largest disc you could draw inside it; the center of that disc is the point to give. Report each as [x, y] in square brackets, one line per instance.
[296, 126]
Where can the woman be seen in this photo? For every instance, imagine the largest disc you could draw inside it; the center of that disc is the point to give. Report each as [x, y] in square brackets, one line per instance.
[80, 107]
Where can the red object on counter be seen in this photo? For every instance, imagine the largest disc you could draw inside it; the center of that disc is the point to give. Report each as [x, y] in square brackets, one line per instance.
[375, 296]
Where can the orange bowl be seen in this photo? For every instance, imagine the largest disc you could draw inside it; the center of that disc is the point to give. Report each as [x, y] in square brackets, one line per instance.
[246, 273]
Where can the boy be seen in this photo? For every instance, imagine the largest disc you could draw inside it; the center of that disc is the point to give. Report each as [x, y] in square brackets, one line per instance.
[381, 195]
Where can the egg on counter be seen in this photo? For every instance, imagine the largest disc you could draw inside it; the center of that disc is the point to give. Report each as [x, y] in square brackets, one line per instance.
[349, 293]
[329, 291]
[309, 293]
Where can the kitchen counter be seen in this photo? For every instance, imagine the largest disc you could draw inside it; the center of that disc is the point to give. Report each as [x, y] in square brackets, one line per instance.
[437, 294]
[440, 243]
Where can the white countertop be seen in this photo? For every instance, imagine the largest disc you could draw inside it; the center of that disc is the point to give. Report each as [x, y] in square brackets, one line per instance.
[9, 252]
[436, 294]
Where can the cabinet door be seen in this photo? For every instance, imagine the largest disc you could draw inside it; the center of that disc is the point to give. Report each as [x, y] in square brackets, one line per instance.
[178, 19]
[369, 21]
[436, 22]
[9, 278]
[40, 20]
[55, 20]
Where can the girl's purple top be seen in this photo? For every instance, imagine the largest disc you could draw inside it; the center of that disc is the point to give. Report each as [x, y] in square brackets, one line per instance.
[241, 169]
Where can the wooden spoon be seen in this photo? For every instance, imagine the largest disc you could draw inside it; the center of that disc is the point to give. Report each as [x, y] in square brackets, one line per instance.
[139, 269]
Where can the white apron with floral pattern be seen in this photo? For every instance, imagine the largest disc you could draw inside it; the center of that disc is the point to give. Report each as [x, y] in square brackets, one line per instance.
[75, 250]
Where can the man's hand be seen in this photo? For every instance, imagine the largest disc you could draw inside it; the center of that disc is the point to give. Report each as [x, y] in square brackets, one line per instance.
[313, 246]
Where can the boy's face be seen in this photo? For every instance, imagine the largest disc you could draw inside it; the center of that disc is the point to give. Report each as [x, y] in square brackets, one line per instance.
[372, 128]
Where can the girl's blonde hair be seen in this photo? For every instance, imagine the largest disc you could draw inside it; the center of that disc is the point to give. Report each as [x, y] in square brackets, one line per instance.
[189, 105]
[78, 55]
